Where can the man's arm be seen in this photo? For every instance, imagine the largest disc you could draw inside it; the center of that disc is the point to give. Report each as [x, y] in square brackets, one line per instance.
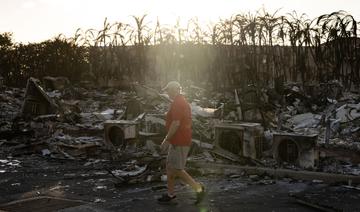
[174, 126]
[172, 130]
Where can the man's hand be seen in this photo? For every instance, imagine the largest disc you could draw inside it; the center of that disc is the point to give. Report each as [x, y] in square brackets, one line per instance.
[164, 145]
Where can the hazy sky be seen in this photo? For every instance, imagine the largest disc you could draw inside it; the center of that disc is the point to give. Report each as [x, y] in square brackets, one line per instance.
[37, 20]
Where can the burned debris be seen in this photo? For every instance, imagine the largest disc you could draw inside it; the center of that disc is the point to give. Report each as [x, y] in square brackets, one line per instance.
[291, 129]
[37, 102]
[101, 127]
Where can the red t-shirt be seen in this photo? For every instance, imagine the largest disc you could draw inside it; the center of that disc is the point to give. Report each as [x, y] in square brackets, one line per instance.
[180, 111]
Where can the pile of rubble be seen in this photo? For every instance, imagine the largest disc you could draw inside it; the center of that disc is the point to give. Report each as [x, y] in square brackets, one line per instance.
[313, 127]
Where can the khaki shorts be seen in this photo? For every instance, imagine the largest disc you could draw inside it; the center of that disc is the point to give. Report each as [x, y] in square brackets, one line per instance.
[177, 156]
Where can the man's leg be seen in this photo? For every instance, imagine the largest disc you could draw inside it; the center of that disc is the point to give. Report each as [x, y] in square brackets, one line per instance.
[176, 161]
[188, 179]
[170, 173]
[167, 198]
[199, 189]
[178, 165]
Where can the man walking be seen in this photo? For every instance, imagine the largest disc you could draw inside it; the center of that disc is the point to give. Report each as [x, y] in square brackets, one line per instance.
[177, 142]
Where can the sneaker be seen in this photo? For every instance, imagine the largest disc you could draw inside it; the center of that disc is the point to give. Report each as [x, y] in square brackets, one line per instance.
[200, 195]
[165, 198]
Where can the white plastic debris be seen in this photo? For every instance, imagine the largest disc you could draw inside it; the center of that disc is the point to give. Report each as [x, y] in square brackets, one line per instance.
[45, 152]
[138, 170]
[163, 178]
[348, 112]
[197, 110]
[305, 120]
